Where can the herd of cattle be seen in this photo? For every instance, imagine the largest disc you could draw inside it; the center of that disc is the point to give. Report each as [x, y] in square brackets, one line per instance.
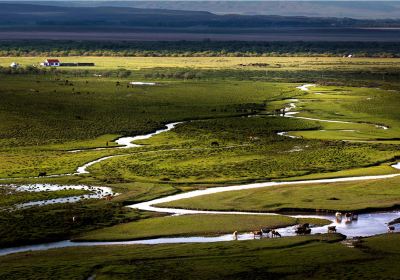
[305, 228]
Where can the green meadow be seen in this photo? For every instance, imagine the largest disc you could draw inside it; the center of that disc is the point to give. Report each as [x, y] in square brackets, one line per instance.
[303, 257]
[345, 196]
[192, 225]
[229, 134]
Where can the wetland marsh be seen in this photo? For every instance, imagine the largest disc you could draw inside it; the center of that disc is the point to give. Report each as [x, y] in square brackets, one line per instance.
[212, 134]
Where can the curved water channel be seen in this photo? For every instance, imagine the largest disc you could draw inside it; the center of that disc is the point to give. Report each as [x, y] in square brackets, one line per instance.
[366, 225]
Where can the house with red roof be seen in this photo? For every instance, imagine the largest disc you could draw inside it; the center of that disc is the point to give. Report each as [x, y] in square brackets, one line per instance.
[51, 62]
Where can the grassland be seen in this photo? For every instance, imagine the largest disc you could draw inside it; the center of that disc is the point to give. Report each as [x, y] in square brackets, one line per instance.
[232, 139]
[315, 257]
[345, 196]
[51, 123]
[247, 63]
[363, 108]
[248, 150]
[47, 124]
[192, 225]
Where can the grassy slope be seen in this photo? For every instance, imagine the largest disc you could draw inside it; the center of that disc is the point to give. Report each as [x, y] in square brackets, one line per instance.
[333, 196]
[288, 258]
[190, 225]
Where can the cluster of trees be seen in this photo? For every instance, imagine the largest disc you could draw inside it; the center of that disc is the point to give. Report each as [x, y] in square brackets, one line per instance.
[203, 48]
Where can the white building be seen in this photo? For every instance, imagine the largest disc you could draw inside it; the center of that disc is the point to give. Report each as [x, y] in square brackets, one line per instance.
[51, 62]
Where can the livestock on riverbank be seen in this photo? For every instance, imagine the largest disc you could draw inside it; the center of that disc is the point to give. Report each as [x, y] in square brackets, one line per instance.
[338, 217]
[235, 235]
[257, 233]
[331, 229]
[275, 233]
[391, 229]
[303, 229]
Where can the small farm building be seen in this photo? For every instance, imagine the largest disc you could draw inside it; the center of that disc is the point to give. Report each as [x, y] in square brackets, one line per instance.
[51, 62]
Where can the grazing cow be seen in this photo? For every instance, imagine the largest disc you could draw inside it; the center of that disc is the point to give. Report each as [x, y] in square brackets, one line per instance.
[214, 144]
[257, 233]
[391, 228]
[266, 231]
[338, 216]
[235, 235]
[349, 217]
[42, 174]
[303, 229]
[274, 233]
[331, 229]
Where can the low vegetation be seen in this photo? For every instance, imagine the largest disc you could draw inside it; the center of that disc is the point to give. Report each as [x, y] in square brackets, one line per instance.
[346, 196]
[228, 136]
[192, 225]
[240, 150]
[55, 222]
[318, 257]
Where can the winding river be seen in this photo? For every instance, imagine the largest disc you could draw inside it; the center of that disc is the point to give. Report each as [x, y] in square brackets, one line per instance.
[366, 225]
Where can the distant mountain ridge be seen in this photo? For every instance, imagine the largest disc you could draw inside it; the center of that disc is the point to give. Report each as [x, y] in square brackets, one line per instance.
[46, 15]
[353, 9]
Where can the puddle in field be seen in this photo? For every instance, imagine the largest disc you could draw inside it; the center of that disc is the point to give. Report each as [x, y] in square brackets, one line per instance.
[306, 87]
[142, 83]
